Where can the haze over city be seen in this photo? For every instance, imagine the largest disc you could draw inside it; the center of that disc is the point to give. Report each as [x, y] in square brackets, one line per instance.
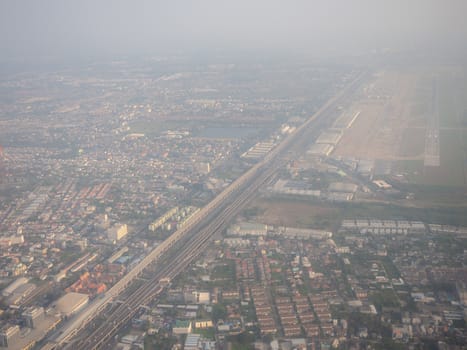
[56, 28]
[233, 175]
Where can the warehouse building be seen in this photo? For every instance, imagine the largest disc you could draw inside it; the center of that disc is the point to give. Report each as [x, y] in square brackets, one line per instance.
[71, 303]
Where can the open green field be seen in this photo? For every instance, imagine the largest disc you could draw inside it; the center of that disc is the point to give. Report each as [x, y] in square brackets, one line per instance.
[321, 215]
[453, 153]
[452, 94]
[413, 143]
[204, 129]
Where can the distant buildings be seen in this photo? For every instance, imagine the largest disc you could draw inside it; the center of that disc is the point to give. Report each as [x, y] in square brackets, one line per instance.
[153, 226]
[294, 188]
[382, 227]
[71, 303]
[117, 232]
[33, 315]
[13, 286]
[182, 327]
[203, 168]
[18, 290]
[8, 335]
[259, 150]
[299, 233]
[248, 228]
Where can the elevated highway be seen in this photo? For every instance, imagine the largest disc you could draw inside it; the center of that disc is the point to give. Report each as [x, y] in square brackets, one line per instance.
[184, 245]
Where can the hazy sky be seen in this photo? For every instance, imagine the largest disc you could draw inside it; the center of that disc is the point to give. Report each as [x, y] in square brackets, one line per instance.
[31, 28]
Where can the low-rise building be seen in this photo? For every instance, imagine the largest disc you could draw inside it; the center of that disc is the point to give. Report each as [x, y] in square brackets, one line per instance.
[202, 324]
[182, 327]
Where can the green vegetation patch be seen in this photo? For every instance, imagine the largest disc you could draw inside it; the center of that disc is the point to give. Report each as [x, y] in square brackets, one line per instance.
[208, 333]
[390, 268]
[224, 271]
[384, 298]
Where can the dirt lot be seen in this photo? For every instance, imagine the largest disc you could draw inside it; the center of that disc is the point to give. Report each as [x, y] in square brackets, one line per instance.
[293, 213]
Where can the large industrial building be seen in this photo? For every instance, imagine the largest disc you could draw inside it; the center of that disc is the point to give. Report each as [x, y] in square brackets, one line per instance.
[13, 286]
[182, 327]
[247, 228]
[71, 303]
[259, 150]
[382, 227]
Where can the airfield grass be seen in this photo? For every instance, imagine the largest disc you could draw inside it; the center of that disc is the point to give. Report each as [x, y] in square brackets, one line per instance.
[412, 143]
[452, 100]
[452, 172]
[452, 154]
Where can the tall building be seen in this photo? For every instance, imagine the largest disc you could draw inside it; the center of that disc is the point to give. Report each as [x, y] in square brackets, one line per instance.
[71, 303]
[102, 222]
[8, 335]
[33, 316]
[117, 232]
